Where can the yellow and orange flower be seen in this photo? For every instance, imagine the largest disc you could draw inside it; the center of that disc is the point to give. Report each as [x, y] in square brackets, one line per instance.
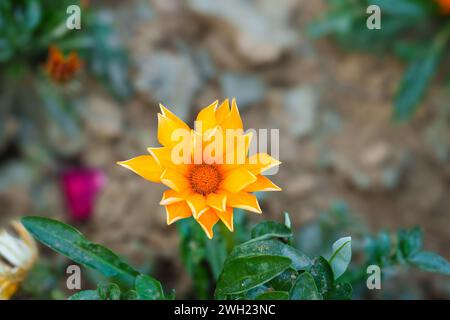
[215, 174]
[17, 256]
[59, 68]
[445, 6]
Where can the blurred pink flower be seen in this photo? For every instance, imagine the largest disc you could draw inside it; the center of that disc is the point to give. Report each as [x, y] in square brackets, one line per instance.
[80, 187]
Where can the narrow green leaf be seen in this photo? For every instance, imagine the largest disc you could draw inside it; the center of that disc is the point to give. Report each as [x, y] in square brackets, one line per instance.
[404, 8]
[148, 288]
[341, 256]
[270, 229]
[287, 220]
[417, 78]
[243, 274]
[430, 261]
[305, 288]
[273, 295]
[71, 243]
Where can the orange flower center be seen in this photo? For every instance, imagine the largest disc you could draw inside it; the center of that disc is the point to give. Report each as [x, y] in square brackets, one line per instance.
[205, 178]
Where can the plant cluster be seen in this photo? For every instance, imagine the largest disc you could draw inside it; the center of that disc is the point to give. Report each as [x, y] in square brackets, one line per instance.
[266, 267]
[417, 31]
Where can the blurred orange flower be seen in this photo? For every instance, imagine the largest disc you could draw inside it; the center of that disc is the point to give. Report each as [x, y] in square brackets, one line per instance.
[445, 6]
[59, 68]
[209, 174]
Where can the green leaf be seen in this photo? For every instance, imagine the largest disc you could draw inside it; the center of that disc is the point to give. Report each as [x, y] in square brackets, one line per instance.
[341, 257]
[85, 295]
[287, 220]
[148, 288]
[274, 295]
[430, 261]
[415, 82]
[242, 274]
[273, 248]
[410, 242]
[70, 242]
[305, 288]
[322, 274]
[270, 229]
[284, 281]
[341, 291]
[403, 8]
[110, 291]
[378, 249]
[130, 295]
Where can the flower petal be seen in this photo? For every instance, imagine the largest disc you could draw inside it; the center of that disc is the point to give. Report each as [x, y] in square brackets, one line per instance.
[237, 179]
[233, 119]
[174, 180]
[261, 162]
[206, 118]
[163, 155]
[207, 221]
[177, 211]
[237, 151]
[262, 183]
[222, 111]
[171, 132]
[146, 166]
[227, 218]
[217, 201]
[170, 196]
[243, 200]
[166, 112]
[7, 288]
[197, 203]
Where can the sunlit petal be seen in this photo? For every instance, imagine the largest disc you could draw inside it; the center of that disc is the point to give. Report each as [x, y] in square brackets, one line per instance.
[237, 179]
[174, 180]
[207, 221]
[217, 201]
[243, 200]
[146, 166]
[262, 183]
[177, 211]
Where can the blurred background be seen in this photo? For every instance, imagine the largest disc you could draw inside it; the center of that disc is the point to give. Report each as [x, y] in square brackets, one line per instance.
[60, 140]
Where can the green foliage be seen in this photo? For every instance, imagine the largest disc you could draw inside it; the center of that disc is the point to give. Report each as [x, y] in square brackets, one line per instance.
[71, 243]
[388, 251]
[305, 288]
[204, 258]
[264, 267]
[268, 266]
[405, 249]
[148, 288]
[341, 256]
[346, 22]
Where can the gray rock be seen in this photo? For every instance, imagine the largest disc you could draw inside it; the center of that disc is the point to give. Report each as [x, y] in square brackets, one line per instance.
[247, 89]
[170, 78]
[300, 107]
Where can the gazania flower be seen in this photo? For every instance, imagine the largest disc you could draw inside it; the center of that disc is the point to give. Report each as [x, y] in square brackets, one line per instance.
[60, 68]
[445, 6]
[17, 256]
[208, 170]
